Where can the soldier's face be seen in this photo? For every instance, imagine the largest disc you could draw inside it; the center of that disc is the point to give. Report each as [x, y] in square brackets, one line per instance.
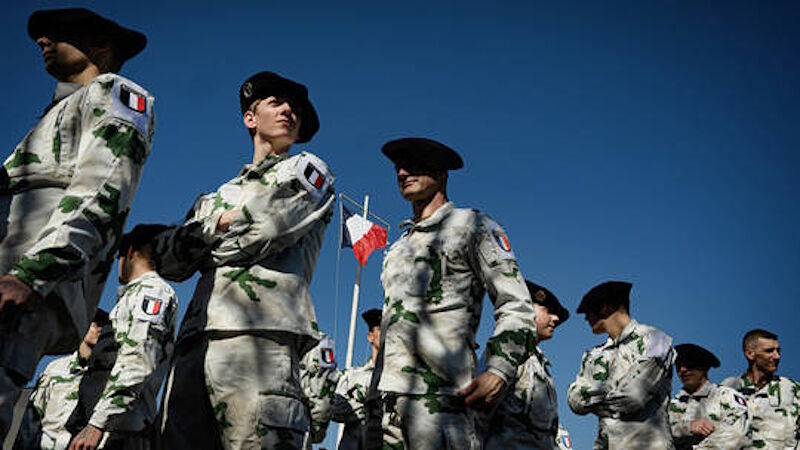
[765, 355]
[62, 59]
[691, 377]
[545, 322]
[275, 120]
[418, 184]
[374, 336]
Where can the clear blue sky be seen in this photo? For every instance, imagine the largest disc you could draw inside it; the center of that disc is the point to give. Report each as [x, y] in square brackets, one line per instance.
[655, 142]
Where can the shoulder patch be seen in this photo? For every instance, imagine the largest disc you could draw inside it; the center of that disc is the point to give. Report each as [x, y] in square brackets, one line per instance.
[502, 247]
[739, 400]
[658, 344]
[325, 356]
[313, 174]
[151, 307]
[132, 104]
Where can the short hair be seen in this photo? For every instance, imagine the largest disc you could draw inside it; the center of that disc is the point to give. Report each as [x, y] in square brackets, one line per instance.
[751, 337]
[140, 237]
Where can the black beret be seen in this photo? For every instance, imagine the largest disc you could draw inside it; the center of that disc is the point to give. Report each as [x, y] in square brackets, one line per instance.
[101, 317]
[542, 296]
[265, 84]
[139, 236]
[614, 292]
[422, 153]
[69, 23]
[372, 317]
[695, 357]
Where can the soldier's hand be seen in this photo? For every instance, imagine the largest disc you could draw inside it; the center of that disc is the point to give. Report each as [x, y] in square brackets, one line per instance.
[484, 391]
[225, 220]
[88, 438]
[15, 292]
[701, 427]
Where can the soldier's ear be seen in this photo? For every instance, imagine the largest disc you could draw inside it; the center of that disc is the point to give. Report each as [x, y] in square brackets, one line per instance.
[249, 119]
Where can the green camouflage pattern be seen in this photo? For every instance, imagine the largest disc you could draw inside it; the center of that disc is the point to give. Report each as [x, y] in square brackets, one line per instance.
[723, 406]
[318, 379]
[626, 383]
[145, 342]
[434, 279]
[409, 423]
[349, 404]
[70, 183]
[55, 397]
[255, 276]
[774, 409]
[527, 416]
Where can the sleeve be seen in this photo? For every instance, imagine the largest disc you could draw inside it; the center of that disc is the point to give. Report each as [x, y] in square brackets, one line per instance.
[343, 411]
[87, 225]
[318, 378]
[647, 378]
[587, 394]
[514, 335]
[678, 426]
[145, 340]
[277, 211]
[732, 426]
[179, 251]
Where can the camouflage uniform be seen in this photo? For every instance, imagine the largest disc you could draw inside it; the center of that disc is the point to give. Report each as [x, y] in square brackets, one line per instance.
[318, 378]
[724, 407]
[142, 329]
[251, 315]
[348, 405]
[65, 193]
[775, 411]
[434, 278]
[51, 403]
[527, 417]
[626, 382]
[563, 441]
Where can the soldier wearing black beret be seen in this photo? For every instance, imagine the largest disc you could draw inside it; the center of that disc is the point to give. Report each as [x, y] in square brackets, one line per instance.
[434, 278]
[527, 417]
[703, 413]
[67, 188]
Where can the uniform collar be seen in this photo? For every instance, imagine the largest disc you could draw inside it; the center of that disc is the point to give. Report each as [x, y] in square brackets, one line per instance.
[540, 354]
[429, 222]
[256, 171]
[64, 90]
[124, 287]
[705, 390]
[626, 333]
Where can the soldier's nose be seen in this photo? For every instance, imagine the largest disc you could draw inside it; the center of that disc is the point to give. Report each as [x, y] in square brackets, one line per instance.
[43, 42]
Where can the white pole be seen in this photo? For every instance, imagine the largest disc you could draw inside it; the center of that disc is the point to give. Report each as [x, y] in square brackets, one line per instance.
[348, 363]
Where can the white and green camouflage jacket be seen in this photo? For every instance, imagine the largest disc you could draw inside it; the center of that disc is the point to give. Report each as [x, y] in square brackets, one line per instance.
[775, 411]
[255, 276]
[723, 406]
[434, 280]
[318, 378]
[54, 399]
[348, 404]
[626, 382]
[66, 191]
[527, 417]
[143, 324]
[563, 441]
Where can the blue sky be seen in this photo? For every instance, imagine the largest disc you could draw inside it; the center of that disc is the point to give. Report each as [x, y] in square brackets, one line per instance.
[655, 142]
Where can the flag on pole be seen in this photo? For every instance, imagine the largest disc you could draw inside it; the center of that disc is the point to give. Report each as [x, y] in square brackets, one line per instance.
[361, 235]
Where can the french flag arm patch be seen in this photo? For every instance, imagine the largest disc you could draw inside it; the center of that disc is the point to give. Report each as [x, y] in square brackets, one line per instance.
[495, 242]
[132, 99]
[150, 308]
[326, 358]
[740, 400]
[313, 174]
[131, 104]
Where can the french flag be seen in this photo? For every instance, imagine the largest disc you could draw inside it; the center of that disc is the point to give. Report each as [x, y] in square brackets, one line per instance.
[361, 234]
[132, 100]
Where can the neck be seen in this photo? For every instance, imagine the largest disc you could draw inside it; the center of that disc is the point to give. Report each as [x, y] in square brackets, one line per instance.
[263, 148]
[139, 268]
[84, 77]
[696, 388]
[374, 356]
[757, 376]
[617, 322]
[425, 208]
[84, 351]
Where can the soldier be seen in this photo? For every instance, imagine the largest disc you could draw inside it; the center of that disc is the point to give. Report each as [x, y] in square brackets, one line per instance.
[773, 401]
[318, 378]
[626, 381]
[704, 415]
[255, 242]
[66, 190]
[527, 417]
[353, 387]
[434, 278]
[56, 394]
[118, 396]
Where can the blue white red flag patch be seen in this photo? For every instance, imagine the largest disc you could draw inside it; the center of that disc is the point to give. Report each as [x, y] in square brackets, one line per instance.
[566, 442]
[132, 99]
[313, 174]
[326, 358]
[150, 308]
[502, 247]
[740, 400]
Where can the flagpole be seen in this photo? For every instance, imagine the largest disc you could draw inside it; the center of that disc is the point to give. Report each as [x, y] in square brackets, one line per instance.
[348, 363]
